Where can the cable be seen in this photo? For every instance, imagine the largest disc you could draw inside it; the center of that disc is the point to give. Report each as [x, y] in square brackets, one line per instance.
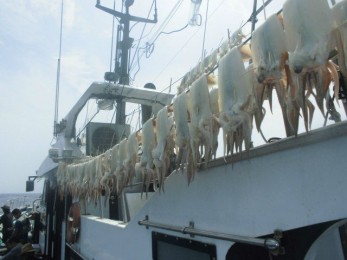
[150, 48]
[143, 30]
[150, 44]
[87, 123]
[138, 66]
[178, 30]
[184, 45]
[166, 21]
[177, 53]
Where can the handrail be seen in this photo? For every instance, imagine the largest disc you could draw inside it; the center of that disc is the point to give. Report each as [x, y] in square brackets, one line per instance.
[271, 244]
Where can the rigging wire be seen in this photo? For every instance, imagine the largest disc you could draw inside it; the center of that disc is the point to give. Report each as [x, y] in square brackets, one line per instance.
[97, 111]
[132, 116]
[166, 21]
[87, 112]
[143, 30]
[178, 30]
[132, 27]
[185, 44]
[150, 48]
[249, 20]
[150, 31]
[204, 37]
[138, 64]
[113, 115]
[264, 11]
[150, 44]
[177, 53]
[56, 109]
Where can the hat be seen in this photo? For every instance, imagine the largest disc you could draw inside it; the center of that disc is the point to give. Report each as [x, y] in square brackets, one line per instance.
[5, 208]
[27, 248]
[15, 211]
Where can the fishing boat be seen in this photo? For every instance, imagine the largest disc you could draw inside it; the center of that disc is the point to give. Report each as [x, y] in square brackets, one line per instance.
[150, 192]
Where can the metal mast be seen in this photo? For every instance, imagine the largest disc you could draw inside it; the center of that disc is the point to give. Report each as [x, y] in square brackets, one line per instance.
[123, 46]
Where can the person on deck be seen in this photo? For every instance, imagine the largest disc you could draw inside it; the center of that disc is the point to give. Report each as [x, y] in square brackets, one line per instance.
[7, 223]
[20, 252]
[19, 234]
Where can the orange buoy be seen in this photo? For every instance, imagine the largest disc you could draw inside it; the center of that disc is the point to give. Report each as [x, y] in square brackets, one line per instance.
[73, 223]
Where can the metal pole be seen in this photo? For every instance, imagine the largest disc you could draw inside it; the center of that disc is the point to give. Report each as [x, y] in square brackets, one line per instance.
[269, 243]
[126, 43]
[124, 76]
[254, 15]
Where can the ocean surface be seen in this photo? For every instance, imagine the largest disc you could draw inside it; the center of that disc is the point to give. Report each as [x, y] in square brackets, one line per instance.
[18, 200]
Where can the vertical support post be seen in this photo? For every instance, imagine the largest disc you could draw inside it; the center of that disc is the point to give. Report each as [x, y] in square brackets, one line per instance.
[124, 76]
[254, 15]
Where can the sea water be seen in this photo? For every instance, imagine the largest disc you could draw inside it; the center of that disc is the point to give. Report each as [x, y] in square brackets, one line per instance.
[18, 200]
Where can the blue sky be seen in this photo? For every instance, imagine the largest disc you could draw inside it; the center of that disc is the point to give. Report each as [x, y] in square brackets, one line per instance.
[29, 45]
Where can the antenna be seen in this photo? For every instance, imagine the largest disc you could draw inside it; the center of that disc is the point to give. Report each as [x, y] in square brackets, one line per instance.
[56, 129]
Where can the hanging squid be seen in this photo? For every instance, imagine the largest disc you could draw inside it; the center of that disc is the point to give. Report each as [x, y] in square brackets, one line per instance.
[148, 144]
[202, 121]
[165, 145]
[114, 165]
[182, 137]
[235, 99]
[214, 102]
[61, 179]
[270, 54]
[340, 14]
[310, 33]
[130, 161]
[122, 179]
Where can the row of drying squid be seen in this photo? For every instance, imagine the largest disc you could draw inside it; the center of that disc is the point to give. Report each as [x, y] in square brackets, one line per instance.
[290, 53]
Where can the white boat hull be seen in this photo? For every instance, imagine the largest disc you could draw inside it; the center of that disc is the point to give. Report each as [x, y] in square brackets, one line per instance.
[292, 183]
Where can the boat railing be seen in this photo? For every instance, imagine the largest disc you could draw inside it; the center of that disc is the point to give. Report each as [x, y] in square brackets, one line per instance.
[271, 244]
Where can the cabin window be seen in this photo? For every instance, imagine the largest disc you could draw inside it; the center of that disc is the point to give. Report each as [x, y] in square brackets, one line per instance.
[167, 247]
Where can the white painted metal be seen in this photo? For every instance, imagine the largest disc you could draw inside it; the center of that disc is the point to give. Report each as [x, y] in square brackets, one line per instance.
[293, 183]
[63, 238]
[101, 90]
[328, 245]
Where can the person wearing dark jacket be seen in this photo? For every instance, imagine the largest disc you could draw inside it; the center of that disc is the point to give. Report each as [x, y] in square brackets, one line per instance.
[19, 234]
[7, 223]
